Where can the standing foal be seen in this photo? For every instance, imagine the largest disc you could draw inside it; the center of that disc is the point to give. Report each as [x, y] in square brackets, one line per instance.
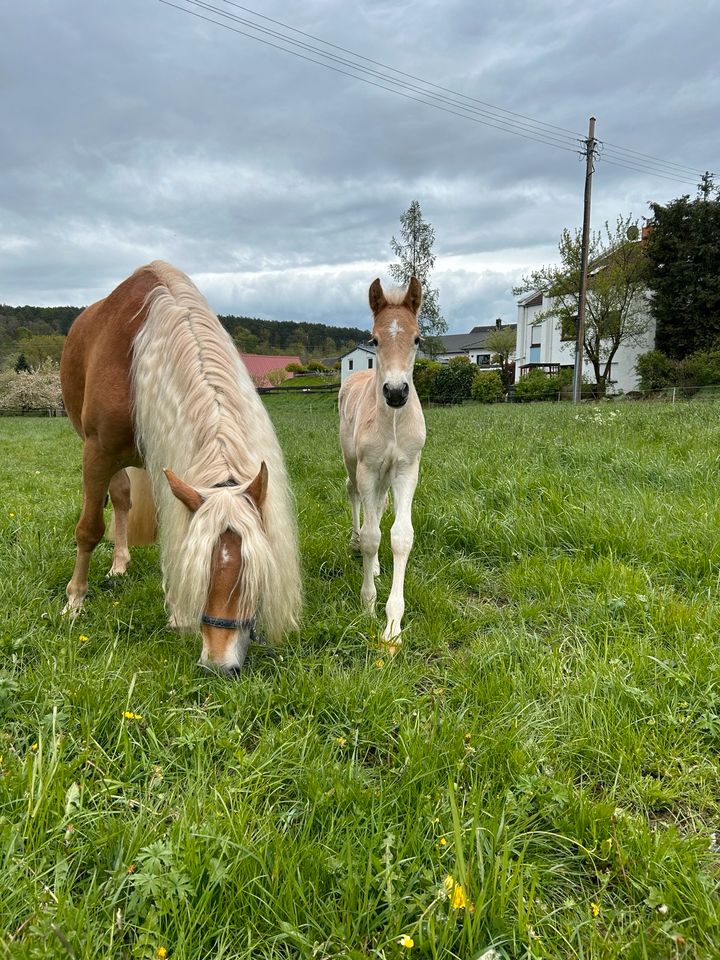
[382, 433]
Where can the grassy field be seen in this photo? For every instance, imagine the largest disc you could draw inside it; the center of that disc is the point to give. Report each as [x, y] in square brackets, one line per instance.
[535, 774]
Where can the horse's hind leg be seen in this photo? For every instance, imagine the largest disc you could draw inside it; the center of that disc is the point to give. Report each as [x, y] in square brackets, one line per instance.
[90, 526]
[120, 496]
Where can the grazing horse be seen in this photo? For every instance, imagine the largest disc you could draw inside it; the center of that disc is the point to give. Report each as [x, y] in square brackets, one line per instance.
[382, 433]
[151, 379]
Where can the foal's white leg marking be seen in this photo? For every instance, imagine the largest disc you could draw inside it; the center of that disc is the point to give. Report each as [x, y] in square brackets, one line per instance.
[372, 495]
[401, 540]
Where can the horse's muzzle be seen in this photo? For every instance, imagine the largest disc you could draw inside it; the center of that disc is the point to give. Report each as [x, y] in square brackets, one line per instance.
[396, 396]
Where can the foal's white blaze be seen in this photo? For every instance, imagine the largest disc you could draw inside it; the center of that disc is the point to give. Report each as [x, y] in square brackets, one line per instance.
[394, 328]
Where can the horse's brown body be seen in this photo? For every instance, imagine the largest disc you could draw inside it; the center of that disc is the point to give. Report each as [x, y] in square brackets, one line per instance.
[100, 397]
[97, 391]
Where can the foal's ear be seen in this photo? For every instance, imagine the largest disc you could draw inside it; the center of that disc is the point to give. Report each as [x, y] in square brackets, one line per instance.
[413, 297]
[184, 492]
[257, 488]
[376, 297]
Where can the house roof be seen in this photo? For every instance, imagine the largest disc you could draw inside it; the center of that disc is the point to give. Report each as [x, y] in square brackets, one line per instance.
[366, 347]
[462, 342]
[259, 365]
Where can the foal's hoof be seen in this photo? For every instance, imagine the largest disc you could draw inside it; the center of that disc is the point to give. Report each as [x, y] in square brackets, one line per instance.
[72, 608]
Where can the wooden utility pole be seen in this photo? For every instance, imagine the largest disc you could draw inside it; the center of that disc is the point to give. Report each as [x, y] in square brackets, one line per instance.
[580, 341]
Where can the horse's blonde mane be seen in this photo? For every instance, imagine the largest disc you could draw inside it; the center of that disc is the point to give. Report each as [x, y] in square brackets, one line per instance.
[197, 412]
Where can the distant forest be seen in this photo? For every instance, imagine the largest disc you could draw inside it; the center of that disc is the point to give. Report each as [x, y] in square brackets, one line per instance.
[39, 332]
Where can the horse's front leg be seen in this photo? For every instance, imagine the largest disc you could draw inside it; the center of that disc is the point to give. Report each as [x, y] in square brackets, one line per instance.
[372, 493]
[91, 525]
[401, 541]
[120, 497]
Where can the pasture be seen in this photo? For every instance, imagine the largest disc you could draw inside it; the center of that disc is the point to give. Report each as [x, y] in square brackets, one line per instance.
[537, 771]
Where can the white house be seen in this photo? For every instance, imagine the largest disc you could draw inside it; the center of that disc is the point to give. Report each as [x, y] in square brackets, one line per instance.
[361, 357]
[541, 345]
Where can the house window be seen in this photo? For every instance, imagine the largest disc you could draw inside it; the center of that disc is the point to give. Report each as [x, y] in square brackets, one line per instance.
[534, 353]
[483, 359]
[370, 360]
[350, 364]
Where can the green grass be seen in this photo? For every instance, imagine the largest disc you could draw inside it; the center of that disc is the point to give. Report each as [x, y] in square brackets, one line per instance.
[548, 735]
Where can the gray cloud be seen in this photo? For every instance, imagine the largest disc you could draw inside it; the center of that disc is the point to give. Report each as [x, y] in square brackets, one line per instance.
[134, 131]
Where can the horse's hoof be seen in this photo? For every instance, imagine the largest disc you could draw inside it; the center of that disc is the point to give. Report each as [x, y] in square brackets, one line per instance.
[72, 608]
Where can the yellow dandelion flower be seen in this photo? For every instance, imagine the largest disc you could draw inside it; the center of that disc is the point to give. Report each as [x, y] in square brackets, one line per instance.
[406, 941]
[11, 514]
[341, 741]
[442, 842]
[34, 747]
[467, 738]
[161, 953]
[82, 638]
[595, 909]
[456, 892]
[379, 663]
[129, 715]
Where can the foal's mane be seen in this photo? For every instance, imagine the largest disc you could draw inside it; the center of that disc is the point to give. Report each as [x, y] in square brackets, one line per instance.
[197, 412]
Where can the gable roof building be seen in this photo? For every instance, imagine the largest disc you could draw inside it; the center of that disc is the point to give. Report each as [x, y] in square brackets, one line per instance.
[260, 365]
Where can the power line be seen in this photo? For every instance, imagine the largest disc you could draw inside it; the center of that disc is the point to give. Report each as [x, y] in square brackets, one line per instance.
[294, 53]
[442, 98]
[402, 73]
[486, 114]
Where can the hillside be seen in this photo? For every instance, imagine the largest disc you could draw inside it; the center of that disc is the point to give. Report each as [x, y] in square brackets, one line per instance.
[35, 330]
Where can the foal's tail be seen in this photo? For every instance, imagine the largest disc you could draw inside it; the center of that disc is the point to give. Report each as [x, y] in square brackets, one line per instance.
[142, 519]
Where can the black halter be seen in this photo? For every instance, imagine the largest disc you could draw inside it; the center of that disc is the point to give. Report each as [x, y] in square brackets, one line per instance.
[247, 624]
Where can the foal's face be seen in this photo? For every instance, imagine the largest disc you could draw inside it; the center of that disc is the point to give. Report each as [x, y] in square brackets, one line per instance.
[396, 336]
[227, 622]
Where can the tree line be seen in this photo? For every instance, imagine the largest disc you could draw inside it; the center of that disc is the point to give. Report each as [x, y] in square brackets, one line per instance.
[29, 335]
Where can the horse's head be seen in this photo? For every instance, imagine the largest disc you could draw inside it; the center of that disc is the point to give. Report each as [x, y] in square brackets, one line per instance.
[396, 337]
[228, 614]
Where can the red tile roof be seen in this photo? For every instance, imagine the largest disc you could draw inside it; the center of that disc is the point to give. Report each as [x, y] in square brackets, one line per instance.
[259, 365]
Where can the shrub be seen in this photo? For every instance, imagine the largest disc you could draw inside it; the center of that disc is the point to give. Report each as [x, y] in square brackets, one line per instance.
[453, 381]
[538, 385]
[296, 368]
[702, 368]
[424, 377]
[487, 387]
[317, 366]
[655, 370]
[32, 389]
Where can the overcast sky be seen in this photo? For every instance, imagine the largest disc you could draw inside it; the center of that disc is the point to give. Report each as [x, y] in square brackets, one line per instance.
[133, 131]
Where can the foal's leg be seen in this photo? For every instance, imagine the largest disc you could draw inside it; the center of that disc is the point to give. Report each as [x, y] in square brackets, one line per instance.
[401, 541]
[90, 526]
[354, 498]
[120, 496]
[372, 492]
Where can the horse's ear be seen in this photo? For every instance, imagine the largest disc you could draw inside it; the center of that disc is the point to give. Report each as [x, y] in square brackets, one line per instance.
[184, 492]
[376, 297]
[257, 488]
[413, 297]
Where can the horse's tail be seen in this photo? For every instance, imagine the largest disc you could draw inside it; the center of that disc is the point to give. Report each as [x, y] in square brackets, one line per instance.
[142, 519]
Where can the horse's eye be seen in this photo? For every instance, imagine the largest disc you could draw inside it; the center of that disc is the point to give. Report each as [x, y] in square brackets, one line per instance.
[417, 341]
[374, 341]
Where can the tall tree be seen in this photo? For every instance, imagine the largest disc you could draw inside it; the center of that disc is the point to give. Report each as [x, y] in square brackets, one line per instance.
[414, 251]
[503, 343]
[683, 249]
[616, 310]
